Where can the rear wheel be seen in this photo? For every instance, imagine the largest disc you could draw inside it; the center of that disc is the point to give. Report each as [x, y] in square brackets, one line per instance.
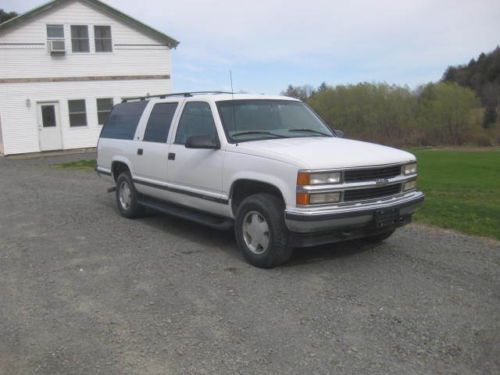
[126, 196]
[261, 232]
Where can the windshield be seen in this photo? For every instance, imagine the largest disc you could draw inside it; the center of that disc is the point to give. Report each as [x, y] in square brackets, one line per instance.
[251, 120]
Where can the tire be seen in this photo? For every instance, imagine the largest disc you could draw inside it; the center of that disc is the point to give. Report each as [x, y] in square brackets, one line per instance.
[261, 232]
[126, 196]
[380, 237]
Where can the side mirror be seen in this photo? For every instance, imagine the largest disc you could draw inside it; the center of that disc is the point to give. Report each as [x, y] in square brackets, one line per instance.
[202, 141]
[339, 133]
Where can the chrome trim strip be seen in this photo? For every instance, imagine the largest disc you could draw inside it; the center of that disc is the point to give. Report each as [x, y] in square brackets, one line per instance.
[359, 167]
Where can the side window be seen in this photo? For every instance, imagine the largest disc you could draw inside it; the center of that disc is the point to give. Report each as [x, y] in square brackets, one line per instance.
[123, 120]
[159, 122]
[196, 120]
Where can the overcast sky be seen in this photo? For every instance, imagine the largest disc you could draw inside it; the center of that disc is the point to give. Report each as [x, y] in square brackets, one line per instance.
[269, 44]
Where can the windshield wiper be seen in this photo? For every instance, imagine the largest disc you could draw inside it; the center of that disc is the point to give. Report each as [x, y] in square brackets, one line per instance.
[310, 131]
[257, 132]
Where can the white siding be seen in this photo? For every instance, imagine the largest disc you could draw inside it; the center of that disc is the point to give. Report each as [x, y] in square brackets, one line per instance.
[24, 54]
[22, 61]
[19, 122]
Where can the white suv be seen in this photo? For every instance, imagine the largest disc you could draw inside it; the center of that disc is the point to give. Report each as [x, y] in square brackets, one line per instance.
[266, 165]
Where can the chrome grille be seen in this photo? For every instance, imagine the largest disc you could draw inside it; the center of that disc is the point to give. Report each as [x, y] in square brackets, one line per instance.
[356, 175]
[377, 192]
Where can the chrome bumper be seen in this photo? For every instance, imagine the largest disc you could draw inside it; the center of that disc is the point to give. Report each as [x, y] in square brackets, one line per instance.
[311, 220]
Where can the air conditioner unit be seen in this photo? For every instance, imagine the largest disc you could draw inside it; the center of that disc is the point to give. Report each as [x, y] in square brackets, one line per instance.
[57, 47]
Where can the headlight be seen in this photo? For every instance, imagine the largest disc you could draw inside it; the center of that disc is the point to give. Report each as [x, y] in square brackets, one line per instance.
[410, 185]
[320, 178]
[410, 169]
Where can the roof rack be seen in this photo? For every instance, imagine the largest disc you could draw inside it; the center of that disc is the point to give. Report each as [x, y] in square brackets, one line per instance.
[184, 94]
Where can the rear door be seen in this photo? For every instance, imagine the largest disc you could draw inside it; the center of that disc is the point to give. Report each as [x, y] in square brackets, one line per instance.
[152, 147]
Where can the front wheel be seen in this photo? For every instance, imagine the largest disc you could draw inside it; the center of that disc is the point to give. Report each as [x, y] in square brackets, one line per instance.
[261, 232]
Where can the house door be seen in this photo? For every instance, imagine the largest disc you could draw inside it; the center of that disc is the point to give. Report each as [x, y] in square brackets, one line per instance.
[49, 126]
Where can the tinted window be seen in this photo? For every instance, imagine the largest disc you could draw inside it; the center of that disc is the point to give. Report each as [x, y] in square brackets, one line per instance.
[159, 122]
[196, 120]
[123, 120]
[80, 38]
[77, 113]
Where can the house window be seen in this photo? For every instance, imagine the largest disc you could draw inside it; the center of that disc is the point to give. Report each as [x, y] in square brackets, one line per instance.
[55, 32]
[77, 113]
[104, 107]
[102, 35]
[80, 38]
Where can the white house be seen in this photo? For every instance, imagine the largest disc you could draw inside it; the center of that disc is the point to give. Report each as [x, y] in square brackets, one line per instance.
[64, 64]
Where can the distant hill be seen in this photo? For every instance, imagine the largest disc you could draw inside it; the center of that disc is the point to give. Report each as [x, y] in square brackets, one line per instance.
[482, 76]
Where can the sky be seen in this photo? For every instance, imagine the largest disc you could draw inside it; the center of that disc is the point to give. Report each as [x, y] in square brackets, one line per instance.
[270, 44]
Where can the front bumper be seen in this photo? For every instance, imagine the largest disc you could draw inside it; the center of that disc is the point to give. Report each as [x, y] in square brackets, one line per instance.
[339, 219]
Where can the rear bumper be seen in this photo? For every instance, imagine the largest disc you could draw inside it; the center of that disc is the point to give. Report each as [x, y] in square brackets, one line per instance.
[342, 219]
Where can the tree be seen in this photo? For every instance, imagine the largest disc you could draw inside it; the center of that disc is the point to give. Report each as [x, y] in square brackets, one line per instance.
[5, 16]
[445, 113]
[300, 92]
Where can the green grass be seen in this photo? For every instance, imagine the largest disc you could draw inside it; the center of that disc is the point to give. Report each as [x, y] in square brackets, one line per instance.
[462, 190]
[80, 164]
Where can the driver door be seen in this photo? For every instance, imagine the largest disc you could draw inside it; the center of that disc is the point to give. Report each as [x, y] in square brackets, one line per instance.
[196, 174]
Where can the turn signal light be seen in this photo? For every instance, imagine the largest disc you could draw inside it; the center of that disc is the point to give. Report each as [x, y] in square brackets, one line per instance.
[303, 178]
[302, 199]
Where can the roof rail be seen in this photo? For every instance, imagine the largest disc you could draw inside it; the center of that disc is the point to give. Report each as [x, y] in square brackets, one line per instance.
[184, 94]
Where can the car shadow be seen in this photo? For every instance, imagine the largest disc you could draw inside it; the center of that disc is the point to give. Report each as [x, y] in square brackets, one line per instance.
[225, 241]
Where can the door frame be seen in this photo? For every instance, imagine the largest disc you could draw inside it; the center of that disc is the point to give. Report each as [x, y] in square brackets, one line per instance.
[39, 120]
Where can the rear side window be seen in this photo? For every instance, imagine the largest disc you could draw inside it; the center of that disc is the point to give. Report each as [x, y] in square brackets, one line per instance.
[196, 120]
[159, 122]
[123, 120]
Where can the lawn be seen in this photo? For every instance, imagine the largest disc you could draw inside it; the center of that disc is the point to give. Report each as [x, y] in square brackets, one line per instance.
[80, 164]
[462, 190]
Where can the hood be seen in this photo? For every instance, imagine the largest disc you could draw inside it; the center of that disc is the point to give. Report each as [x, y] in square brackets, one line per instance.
[324, 153]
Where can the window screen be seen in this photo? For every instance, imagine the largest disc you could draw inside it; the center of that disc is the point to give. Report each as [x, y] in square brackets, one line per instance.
[196, 120]
[159, 122]
[77, 113]
[104, 107]
[55, 32]
[80, 38]
[102, 36]
[123, 120]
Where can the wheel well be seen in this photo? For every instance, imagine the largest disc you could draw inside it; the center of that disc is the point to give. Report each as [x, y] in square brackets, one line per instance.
[242, 189]
[117, 168]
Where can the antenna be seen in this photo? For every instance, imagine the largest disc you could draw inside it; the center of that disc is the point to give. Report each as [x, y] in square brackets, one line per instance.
[231, 79]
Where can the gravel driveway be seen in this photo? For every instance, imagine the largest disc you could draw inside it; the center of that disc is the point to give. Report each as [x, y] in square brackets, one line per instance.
[84, 291]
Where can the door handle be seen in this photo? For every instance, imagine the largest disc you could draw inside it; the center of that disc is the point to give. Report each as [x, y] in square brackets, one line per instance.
[140, 151]
[171, 156]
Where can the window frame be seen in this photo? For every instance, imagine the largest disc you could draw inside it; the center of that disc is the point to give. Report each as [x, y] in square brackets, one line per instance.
[110, 38]
[97, 107]
[85, 112]
[71, 38]
[181, 113]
